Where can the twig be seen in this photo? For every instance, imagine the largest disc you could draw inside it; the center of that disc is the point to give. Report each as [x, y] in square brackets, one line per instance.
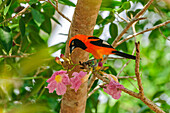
[125, 64]
[137, 69]
[122, 18]
[126, 77]
[17, 35]
[132, 84]
[14, 56]
[18, 14]
[56, 8]
[163, 34]
[125, 30]
[150, 29]
[95, 89]
[123, 68]
[39, 70]
[133, 28]
[91, 81]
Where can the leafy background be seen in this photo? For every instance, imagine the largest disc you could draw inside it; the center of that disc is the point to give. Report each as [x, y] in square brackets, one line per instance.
[26, 61]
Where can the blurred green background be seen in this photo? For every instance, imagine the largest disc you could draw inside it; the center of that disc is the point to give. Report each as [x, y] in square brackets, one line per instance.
[26, 61]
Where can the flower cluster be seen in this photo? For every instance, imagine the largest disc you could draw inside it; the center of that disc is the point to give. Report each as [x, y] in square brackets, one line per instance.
[113, 89]
[59, 81]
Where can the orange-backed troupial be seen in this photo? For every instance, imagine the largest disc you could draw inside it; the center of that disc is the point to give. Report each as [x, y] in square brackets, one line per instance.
[95, 46]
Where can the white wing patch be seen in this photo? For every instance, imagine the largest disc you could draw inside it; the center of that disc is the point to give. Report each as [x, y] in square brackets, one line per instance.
[105, 43]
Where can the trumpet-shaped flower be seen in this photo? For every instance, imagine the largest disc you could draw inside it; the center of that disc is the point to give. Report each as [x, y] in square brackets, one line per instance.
[77, 80]
[113, 89]
[58, 82]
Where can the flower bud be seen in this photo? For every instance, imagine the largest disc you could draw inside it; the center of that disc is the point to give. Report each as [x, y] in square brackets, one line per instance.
[61, 56]
[57, 59]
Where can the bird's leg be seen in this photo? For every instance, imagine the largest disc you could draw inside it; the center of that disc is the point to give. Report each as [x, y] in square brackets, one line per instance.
[95, 63]
[88, 63]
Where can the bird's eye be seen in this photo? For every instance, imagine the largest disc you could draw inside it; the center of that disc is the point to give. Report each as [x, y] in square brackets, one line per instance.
[72, 43]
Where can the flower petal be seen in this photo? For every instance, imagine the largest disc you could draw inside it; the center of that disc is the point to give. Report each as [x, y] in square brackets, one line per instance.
[61, 89]
[76, 81]
[65, 79]
[51, 86]
[55, 74]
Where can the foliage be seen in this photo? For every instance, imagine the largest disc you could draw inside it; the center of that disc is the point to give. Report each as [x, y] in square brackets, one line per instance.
[26, 61]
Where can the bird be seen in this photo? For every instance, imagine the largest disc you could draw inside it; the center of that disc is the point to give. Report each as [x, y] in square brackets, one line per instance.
[96, 46]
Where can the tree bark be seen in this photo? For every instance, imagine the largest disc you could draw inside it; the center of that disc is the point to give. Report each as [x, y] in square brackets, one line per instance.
[83, 22]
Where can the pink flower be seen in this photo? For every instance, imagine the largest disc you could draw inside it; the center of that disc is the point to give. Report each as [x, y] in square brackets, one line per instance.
[113, 89]
[58, 82]
[77, 80]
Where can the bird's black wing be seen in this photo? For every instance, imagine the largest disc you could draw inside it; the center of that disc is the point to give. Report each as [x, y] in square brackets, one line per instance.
[100, 42]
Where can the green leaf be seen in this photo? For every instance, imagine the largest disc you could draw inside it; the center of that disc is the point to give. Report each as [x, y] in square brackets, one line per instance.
[7, 8]
[123, 46]
[22, 27]
[107, 109]
[108, 19]
[56, 47]
[49, 10]
[98, 32]
[115, 108]
[34, 61]
[38, 17]
[108, 5]
[33, 2]
[5, 40]
[56, 20]
[111, 71]
[66, 2]
[36, 40]
[157, 94]
[113, 30]
[99, 19]
[126, 5]
[46, 25]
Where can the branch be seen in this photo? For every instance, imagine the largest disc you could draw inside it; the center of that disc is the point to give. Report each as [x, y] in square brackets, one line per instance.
[143, 98]
[18, 14]
[151, 105]
[133, 21]
[14, 56]
[140, 13]
[91, 81]
[56, 8]
[125, 30]
[137, 70]
[163, 34]
[150, 29]
[125, 90]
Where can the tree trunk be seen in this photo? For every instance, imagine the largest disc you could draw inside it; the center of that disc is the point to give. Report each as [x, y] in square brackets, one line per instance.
[84, 20]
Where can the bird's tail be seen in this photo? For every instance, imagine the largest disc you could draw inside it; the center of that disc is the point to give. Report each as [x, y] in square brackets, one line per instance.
[124, 55]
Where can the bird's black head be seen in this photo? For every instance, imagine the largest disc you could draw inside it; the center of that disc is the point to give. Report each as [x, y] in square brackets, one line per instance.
[77, 43]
